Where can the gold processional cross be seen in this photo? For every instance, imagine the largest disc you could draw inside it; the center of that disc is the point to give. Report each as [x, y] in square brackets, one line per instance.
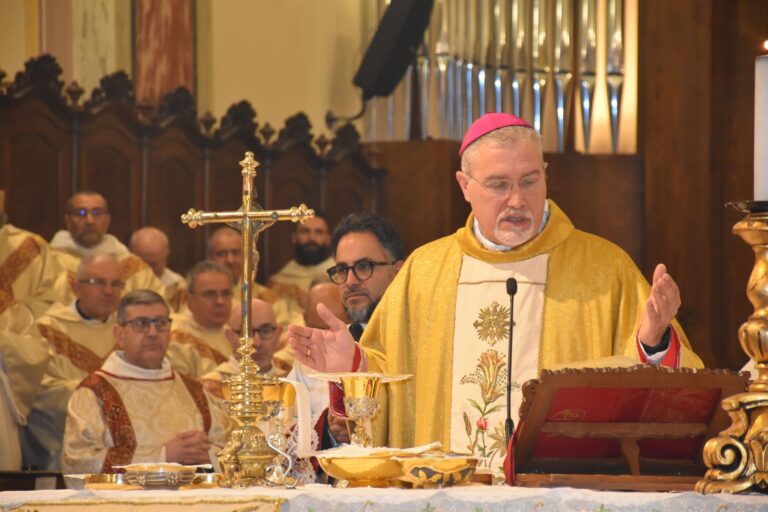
[246, 456]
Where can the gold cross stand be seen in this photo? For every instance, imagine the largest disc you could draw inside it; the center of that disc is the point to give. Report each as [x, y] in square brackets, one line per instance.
[245, 457]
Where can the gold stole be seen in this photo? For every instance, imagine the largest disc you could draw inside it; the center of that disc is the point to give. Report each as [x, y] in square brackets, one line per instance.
[202, 348]
[12, 268]
[80, 356]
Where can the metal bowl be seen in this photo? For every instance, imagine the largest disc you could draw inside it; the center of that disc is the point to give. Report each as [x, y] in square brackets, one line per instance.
[437, 470]
[363, 471]
[159, 475]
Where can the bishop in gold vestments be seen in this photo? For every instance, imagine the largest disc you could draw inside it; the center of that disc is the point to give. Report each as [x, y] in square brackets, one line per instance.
[445, 317]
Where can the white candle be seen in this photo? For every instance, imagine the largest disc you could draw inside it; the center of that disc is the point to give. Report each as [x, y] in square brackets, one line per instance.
[761, 128]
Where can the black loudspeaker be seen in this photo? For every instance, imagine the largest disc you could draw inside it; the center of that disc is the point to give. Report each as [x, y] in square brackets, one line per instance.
[393, 47]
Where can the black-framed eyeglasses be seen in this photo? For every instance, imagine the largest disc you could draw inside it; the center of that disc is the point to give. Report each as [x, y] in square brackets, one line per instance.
[102, 283]
[362, 269]
[141, 324]
[83, 212]
[265, 331]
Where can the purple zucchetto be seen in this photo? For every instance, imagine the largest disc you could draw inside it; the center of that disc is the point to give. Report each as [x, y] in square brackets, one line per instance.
[486, 124]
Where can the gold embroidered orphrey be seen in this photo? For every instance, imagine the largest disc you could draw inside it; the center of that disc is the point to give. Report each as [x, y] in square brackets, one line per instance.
[245, 459]
[484, 438]
[492, 323]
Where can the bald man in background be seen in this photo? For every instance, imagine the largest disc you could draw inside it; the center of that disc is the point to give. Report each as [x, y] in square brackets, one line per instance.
[328, 293]
[151, 245]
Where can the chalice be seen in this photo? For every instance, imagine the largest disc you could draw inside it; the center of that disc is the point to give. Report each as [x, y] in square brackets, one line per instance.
[361, 403]
[360, 393]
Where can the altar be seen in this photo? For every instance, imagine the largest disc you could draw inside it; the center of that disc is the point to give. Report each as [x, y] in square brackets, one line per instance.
[474, 497]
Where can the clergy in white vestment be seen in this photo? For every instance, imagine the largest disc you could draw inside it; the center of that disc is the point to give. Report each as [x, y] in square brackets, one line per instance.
[136, 408]
[445, 317]
[27, 273]
[225, 246]
[265, 333]
[152, 245]
[87, 220]
[199, 341]
[79, 338]
[311, 256]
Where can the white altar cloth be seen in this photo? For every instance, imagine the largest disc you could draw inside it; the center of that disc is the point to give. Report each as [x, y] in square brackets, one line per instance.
[319, 498]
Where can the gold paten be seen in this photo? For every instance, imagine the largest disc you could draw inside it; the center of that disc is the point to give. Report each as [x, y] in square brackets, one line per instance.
[363, 471]
[437, 469]
[109, 482]
[246, 456]
[738, 457]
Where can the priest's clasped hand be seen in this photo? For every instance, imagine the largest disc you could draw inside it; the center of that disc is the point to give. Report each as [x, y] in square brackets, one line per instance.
[661, 307]
[324, 350]
[190, 447]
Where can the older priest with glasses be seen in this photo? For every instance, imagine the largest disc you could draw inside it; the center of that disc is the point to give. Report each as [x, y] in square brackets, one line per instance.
[79, 337]
[199, 340]
[135, 408]
[445, 317]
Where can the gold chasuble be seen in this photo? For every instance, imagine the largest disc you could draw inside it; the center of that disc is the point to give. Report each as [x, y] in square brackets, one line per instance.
[123, 414]
[28, 271]
[27, 274]
[580, 298]
[136, 274]
[78, 347]
[175, 289]
[195, 350]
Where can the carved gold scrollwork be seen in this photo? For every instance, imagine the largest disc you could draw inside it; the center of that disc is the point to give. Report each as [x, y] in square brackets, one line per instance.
[738, 456]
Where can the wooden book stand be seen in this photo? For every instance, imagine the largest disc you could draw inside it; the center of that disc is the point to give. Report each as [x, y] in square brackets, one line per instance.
[638, 428]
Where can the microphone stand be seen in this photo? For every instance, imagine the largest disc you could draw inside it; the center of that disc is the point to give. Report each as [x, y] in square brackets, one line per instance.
[509, 425]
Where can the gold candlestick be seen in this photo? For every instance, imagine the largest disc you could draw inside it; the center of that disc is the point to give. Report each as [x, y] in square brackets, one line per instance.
[738, 456]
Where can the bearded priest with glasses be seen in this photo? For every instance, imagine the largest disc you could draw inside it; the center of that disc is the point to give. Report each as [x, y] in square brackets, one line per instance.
[445, 317]
[368, 253]
[136, 408]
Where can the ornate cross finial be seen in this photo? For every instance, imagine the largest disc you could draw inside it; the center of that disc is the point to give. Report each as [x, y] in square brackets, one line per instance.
[249, 165]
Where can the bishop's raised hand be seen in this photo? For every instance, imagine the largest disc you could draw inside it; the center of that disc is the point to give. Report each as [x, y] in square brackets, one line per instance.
[324, 350]
[660, 308]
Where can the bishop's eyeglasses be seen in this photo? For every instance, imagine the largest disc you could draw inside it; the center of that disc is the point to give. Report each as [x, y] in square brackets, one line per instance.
[362, 269]
[502, 187]
[141, 325]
